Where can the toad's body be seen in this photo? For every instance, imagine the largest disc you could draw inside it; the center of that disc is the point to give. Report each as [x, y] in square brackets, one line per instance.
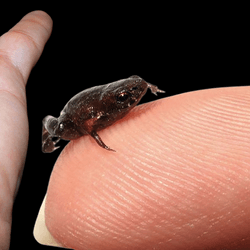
[94, 109]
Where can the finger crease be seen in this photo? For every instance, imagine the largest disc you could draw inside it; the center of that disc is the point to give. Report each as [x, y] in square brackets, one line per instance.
[27, 36]
[38, 23]
[16, 97]
[5, 61]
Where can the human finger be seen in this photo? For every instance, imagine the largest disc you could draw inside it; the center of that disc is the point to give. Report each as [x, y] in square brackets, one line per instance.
[20, 49]
[179, 178]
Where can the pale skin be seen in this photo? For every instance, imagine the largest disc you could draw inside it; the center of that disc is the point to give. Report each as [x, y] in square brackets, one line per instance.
[180, 177]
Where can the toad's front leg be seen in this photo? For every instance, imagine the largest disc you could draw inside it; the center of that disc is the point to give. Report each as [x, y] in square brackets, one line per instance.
[48, 145]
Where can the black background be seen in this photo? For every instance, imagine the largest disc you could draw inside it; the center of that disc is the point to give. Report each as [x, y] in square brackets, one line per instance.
[177, 48]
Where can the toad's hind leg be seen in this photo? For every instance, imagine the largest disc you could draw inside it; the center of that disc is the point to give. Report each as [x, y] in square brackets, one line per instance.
[100, 142]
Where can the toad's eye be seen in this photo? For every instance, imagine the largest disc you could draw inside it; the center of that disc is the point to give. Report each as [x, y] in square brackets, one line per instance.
[61, 126]
[122, 97]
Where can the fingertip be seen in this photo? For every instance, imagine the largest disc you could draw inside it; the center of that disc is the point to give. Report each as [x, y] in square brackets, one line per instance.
[23, 44]
[177, 161]
[42, 17]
